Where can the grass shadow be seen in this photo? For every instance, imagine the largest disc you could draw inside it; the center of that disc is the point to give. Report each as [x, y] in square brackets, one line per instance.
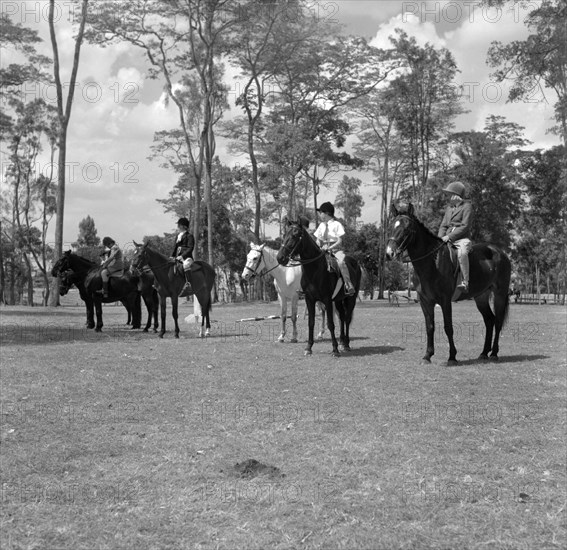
[38, 335]
[501, 360]
[373, 350]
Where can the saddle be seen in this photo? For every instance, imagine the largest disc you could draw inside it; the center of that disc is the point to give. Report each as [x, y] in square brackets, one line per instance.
[332, 264]
[177, 269]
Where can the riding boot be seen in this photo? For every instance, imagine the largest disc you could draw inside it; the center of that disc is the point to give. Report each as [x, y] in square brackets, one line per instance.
[349, 289]
[187, 290]
[464, 263]
[105, 289]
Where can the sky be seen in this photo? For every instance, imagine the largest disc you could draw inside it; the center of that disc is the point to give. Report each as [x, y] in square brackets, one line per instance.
[117, 108]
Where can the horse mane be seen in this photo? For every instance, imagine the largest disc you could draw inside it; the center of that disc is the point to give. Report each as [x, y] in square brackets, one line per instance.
[407, 210]
[154, 251]
[424, 227]
[88, 263]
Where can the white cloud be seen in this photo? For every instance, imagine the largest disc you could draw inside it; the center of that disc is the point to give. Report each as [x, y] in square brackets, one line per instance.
[423, 32]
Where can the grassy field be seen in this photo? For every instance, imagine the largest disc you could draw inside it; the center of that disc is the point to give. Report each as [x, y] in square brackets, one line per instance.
[121, 440]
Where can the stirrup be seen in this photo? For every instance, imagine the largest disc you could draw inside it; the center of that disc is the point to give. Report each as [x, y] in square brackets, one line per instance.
[187, 290]
[349, 289]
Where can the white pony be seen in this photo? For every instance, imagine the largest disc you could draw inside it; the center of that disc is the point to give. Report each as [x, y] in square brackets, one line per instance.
[287, 280]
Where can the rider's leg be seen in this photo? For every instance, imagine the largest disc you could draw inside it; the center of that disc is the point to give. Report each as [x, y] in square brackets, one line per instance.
[463, 249]
[349, 288]
[105, 274]
[187, 289]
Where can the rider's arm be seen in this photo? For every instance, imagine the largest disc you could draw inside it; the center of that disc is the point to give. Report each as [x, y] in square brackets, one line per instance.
[336, 244]
[463, 228]
[444, 224]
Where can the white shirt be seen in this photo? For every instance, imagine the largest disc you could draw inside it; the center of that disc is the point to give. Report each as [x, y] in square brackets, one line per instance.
[334, 230]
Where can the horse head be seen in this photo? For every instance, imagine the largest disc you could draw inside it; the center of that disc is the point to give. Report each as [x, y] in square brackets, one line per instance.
[292, 241]
[66, 281]
[140, 256]
[403, 229]
[62, 264]
[253, 261]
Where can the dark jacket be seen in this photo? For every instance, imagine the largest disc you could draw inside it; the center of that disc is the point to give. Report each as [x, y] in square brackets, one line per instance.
[457, 222]
[184, 245]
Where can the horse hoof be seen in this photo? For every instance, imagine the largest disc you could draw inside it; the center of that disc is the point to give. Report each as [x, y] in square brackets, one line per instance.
[155, 330]
[98, 329]
[293, 341]
[177, 335]
[161, 335]
[207, 333]
[145, 330]
[425, 361]
[452, 362]
[336, 353]
[281, 339]
[493, 358]
[346, 348]
[308, 352]
[483, 357]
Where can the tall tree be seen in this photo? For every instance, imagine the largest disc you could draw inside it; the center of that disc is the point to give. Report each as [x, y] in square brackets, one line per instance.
[88, 236]
[426, 105]
[349, 200]
[64, 115]
[183, 40]
[541, 235]
[539, 61]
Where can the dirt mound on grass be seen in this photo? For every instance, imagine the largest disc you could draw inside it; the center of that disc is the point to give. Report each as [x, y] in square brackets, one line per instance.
[252, 468]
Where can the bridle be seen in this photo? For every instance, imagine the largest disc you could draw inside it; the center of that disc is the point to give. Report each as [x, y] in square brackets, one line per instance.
[142, 260]
[300, 261]
[401, 247]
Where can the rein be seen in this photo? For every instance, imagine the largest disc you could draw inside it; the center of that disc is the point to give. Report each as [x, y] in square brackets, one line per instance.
[402, 246]
[255, 272]
[300, 261]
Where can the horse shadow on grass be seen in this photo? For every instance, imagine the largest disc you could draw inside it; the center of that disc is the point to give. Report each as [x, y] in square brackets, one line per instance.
[363, 351]
[23, 334]
[501, 360]
[372, 350]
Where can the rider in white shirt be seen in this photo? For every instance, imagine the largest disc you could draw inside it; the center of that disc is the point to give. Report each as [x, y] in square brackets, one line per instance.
[329, 237]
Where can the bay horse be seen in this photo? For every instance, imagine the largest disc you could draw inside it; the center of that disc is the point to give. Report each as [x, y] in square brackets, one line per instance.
[86, 277]
[319, 284]
[169, 282]
[145, 286]
[287, 280]
[490, 271]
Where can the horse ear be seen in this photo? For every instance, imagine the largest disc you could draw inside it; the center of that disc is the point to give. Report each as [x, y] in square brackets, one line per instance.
[261, 247]
[136, 244]
[411, 210]
[393, 210]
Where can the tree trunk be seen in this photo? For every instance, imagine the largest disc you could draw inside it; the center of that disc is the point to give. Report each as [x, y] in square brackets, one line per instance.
[64, 116]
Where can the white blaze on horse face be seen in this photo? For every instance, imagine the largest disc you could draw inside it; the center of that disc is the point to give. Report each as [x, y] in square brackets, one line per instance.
[396, 224]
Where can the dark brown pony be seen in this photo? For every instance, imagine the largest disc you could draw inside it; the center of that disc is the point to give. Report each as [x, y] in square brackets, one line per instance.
[319, 284]
[490, 271]
[86, 277]
[169, 282]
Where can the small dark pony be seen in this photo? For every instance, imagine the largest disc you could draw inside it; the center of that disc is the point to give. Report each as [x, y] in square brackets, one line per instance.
[490, 271]
[85, 275]
[169, 281]
[319, 284]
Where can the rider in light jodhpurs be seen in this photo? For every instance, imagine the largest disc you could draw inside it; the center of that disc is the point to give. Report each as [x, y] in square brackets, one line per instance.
[456, 227]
